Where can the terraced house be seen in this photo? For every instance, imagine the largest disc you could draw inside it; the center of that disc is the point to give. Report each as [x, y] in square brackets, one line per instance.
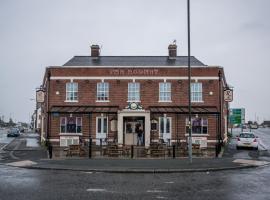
[133, 100]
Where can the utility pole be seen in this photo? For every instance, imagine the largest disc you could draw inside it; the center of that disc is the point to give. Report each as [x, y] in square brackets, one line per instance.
[189, 88]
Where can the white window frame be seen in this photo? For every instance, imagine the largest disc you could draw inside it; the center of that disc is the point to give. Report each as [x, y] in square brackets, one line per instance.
[165, 92]
[72, 91]
[202, 125]
[134, 92]
[196, 92]
[103, 88]
[66, 125]
[102, 125]
[165, 125]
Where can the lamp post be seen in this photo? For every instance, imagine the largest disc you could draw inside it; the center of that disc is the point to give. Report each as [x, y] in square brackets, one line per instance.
[189, 87]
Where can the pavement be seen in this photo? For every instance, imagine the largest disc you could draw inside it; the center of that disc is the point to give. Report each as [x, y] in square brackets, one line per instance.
[18, 154]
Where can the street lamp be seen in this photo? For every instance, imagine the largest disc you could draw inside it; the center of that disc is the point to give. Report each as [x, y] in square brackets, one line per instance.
[189, 87]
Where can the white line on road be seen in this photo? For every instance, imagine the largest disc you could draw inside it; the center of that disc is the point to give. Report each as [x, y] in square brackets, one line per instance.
[155, 191]
[169, 182]
[96, 190]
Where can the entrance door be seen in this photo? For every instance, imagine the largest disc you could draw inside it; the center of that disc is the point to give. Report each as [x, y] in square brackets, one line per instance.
[131, 133]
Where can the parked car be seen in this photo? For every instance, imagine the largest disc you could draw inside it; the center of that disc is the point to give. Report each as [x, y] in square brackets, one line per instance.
[247, 139]
[14, 132]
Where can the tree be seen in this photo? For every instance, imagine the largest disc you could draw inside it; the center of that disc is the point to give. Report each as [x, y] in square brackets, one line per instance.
[10, 122]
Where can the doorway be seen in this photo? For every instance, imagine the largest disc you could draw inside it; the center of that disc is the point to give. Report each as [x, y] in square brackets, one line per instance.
[134, 131]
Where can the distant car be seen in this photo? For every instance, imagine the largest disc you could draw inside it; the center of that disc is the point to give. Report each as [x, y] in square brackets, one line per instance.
[247, 139]
[14, 132]
[253, 126]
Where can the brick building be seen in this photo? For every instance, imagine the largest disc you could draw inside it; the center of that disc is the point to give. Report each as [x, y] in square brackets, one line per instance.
[133, 100]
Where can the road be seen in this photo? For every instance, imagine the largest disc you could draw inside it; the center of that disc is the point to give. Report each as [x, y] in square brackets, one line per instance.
[245, 184]
[264, 145]
[3, 138]
[225, 185]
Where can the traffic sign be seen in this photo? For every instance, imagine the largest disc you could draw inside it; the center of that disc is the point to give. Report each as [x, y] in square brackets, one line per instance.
[237, 116]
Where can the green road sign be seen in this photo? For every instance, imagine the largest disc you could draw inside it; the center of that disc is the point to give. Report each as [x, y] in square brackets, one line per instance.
[237, 116]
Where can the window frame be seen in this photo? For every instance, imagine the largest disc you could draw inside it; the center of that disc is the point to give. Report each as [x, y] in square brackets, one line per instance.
[202, 125]
[165, 127]
[196, 91]
[103, 88]
[102, 125]
[74, 97]
[76, 119]
[134, 92]
[165, 92]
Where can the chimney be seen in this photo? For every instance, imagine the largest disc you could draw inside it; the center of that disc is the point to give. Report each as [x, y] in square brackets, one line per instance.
[95, 50]
[172, 50]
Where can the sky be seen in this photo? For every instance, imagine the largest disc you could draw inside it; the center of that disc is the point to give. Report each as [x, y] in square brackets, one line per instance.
[35, 34]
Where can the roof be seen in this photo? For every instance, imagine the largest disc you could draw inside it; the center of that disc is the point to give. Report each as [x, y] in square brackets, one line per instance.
[132, 61]
[184, 109]
[84, 109]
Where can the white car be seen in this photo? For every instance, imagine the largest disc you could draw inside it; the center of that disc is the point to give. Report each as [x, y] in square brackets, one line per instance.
[247, 139]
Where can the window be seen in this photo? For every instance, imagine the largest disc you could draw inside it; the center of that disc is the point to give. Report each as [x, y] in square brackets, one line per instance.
[70, 125]
[198, 126]
[164, 91]
[103, 91]
[133, 92]
[72, 91]
[164, 125]
[102, 125]
[196, 92]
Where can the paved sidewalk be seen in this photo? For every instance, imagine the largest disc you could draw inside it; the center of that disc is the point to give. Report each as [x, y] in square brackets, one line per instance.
[140, 165]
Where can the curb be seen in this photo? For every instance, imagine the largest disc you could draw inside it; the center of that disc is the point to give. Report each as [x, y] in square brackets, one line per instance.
[146, 170]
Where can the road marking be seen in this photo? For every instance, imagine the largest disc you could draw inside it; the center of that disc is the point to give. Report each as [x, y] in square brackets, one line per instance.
[160, 197]
[155, 191]
[96, 190]
[251, 162]
[169, 182]
[23, 163]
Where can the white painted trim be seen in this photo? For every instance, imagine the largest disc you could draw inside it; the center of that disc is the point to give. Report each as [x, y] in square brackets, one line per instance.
[100, 101]
[198, 135]
[133, 77]
[70, 101]
[54, 140]
[70, 134]
[182, 66]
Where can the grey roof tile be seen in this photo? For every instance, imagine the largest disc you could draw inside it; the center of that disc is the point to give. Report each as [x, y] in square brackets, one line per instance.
[132, 61]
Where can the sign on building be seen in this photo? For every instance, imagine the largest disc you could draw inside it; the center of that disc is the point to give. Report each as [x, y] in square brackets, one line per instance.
[40, 96]
[228, 95]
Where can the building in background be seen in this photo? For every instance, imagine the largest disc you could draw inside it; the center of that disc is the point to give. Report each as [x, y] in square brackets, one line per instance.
[133, 100]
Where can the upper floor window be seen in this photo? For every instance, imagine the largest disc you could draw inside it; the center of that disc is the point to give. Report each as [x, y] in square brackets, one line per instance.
[196, 92]
[70, 125]
[72, 91]
[198, 125]
[133, 92]
[103, 91]
[164, 91]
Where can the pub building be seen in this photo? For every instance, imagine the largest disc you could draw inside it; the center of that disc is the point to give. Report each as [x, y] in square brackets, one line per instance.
[133, 100]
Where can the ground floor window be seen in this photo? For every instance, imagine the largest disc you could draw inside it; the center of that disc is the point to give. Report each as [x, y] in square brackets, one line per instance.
[199, 125]
[68, 140]
[70, 124]
[164, 125]
[102, 125]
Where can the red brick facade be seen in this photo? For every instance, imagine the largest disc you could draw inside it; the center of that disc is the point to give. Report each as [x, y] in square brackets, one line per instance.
[118, 78]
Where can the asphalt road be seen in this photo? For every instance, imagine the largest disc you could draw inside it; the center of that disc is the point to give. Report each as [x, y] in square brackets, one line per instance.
[17, 183]
[264, 145]
[41, 184]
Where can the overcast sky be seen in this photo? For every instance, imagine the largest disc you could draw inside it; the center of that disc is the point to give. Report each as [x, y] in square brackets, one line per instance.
[234, 34]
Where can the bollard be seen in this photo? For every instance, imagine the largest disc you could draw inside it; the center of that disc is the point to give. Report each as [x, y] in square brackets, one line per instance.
[100, 144]
[132, 151]
[50, 149]
[90, 148]
[173, 151]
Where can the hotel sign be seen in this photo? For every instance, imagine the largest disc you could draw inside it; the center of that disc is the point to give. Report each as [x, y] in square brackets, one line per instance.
[134, 72]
